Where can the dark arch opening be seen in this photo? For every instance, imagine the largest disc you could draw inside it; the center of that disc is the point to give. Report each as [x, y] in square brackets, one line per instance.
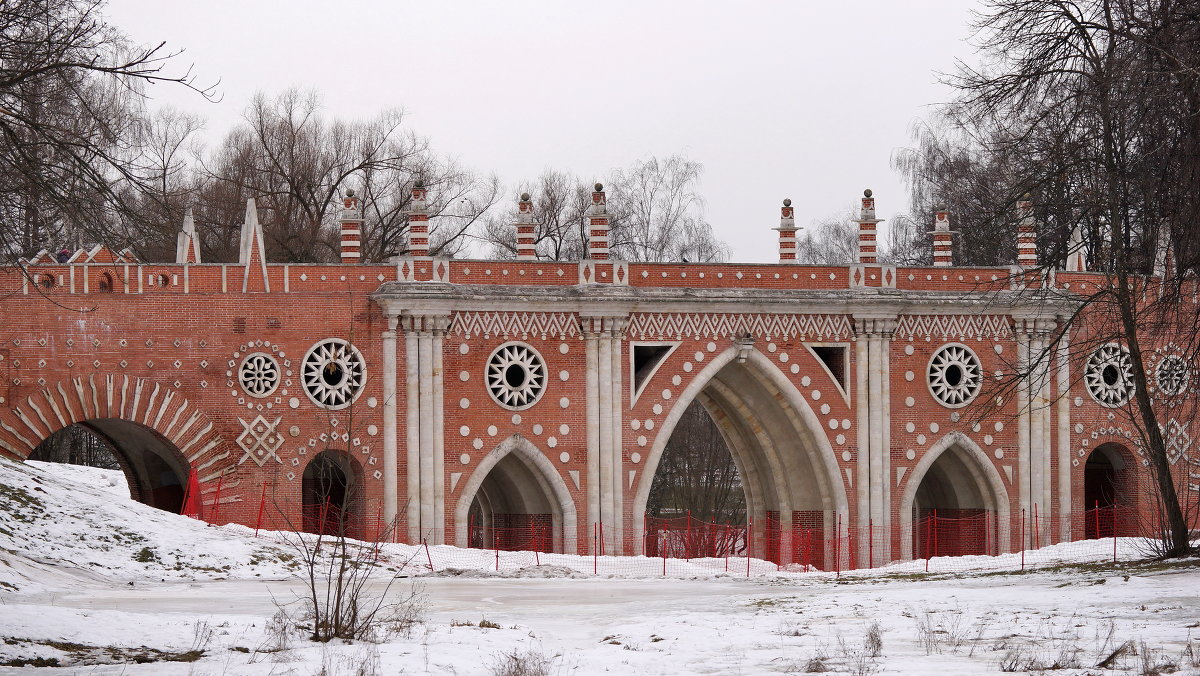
[154, 469]
[513, 509]
[332, 495]
[790, 497]
[953, 510]
[1107, 493]
[697, 483]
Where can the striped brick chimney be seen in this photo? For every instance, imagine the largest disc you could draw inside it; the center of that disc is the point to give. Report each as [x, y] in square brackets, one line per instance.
[525, 248]
[1026, 234]
[418, 223]
[598, 225]
[787, 233]
[943, 245]
[867, 246]
[351, 222]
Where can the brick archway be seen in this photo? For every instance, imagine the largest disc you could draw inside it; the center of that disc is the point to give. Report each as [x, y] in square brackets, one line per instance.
[331, 495]
[976, 473]
[1109, 483]
[787, 465]
[128, 414]
[541, 477]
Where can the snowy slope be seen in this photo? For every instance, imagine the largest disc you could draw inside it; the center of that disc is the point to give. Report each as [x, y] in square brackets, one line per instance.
[71, 540]
[60, 523]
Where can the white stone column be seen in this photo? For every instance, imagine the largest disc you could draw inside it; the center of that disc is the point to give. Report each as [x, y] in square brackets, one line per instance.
[425, 370]
[1063, 411]
[592, 354]
[1023, 438]
[437, 421]
[412, 429]
[1034, 426]
[615, 335]
[1036, 449]
[872, 347]
[604, 381]
[862, 429]
[391, 469]
[1045, 504]
[883, 544]
[875, 413]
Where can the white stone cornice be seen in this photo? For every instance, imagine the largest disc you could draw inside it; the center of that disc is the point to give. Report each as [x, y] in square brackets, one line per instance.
[1039, 326]
[875, 324]
[425, 323]
[615, 300]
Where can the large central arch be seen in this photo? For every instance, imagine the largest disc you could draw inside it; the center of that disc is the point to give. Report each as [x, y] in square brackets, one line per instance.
[525, 480]
[787, 466]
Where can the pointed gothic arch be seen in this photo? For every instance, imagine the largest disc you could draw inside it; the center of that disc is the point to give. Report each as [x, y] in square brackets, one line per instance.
[520, 477]
[964, 475]
[787, 465]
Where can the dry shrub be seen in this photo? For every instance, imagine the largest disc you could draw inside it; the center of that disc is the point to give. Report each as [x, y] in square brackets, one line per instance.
[873, 641]
[530, 662]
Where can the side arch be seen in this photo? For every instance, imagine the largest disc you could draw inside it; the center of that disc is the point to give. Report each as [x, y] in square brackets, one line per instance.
[550, 481]
[799, 415]
[331, 494]
[1109, 479]
[987, 480]
[105, 404]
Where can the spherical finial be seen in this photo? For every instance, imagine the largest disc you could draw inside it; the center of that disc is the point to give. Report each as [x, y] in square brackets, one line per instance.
[524, 197]
[787, 202]
[599, 187]
[350, 192]
[867, 193]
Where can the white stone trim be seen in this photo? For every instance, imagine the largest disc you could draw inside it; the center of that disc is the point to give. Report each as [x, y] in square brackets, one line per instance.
[634, 391]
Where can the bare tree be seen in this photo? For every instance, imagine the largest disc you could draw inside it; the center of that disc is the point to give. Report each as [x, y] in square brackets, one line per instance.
[560, 203]
[76, 445]
[350, 592]
[1084, 104]
[656, 211]
[298, 164]
[167, 150]
[697, 474]
[69, 96]
[658, 214]
[832, 240]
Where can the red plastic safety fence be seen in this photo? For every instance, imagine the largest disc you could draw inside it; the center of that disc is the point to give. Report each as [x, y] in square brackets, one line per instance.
[955, 532]
[934, 541]
[800, 544]
[534, 537]
[329, 519]
[689, 538]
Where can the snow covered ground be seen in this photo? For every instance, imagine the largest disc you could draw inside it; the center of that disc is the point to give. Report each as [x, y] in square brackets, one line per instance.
[104, 585]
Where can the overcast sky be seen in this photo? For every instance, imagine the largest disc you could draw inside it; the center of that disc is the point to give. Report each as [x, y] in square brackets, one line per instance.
[806, 100]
